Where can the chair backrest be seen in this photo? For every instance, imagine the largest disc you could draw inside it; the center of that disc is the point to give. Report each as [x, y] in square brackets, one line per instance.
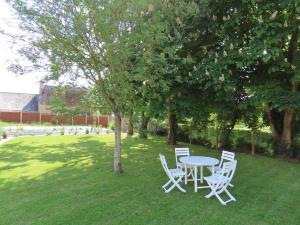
[164, 164]
[227, 172]
[181, 152]
[226, 156]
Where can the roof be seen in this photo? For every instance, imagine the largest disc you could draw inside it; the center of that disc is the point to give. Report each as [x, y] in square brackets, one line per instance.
[18, 102]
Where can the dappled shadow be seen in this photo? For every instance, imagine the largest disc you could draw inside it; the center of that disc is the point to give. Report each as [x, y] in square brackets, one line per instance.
[70, 180]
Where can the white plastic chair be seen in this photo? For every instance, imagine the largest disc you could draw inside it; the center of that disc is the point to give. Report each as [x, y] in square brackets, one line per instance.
[184, 152]
[175, 175]
[226, 157]
[219, 182]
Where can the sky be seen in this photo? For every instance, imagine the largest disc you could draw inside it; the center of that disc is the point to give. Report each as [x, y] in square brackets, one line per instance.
[10, 82]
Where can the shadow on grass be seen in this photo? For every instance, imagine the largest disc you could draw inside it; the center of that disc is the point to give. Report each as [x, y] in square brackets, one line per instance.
[69, 180]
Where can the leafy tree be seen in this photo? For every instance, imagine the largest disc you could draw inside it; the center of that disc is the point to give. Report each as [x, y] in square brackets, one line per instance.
[89, 37]
[57, 103]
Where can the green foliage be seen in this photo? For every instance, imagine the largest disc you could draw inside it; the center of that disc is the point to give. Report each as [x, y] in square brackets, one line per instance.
[229, 61]
[4, 134]
[111, 125]
[62, 131]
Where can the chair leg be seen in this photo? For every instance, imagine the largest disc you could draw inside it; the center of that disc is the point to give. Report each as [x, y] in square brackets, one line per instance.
[212, 190]
[217, 194]
[230, 195]
[175, 184]
[220, 199]
[166, 184]
[185, 176]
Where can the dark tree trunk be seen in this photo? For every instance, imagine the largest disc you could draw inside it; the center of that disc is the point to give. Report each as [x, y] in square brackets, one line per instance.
[286, 136]
[130, 124]
[253, 141]
[217, 138]
[172, 134]
[191, 134]
[226, 132]
[143, 131]
[282, 122]
[117, 152]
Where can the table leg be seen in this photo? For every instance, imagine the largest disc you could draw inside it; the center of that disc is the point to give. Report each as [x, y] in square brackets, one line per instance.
[195, 178]
[185, 177]
[213, 170]
[201, 174]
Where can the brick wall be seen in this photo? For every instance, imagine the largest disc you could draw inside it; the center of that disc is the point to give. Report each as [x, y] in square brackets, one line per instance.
[30, 117]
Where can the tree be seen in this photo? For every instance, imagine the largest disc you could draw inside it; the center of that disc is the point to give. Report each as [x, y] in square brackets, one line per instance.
[89, 37]
[254, 44]
[57, 104]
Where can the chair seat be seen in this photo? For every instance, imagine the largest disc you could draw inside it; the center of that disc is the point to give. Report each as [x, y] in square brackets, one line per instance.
[215, 178]
[177, 172]
[217, 169]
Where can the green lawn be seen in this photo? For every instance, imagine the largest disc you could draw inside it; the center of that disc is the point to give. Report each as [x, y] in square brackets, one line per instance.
[69, 180]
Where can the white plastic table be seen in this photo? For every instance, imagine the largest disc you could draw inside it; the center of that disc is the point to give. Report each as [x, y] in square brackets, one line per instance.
[198, 161]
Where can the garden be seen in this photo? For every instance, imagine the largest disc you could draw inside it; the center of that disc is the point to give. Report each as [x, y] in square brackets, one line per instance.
[69, 180]
[198, 92]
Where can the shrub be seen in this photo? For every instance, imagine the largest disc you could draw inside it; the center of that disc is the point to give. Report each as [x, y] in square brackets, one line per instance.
[111, 125]
[4, 135]
[87, 131]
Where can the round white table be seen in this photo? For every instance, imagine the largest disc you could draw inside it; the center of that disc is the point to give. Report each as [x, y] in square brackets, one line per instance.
[198, 161]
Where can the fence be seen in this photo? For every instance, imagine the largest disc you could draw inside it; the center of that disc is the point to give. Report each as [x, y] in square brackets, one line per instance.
[36, 117]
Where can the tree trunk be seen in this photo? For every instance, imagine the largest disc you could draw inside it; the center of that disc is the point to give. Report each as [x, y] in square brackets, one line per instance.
[143, 131]
[172, 128]
[253, 141]
[286, 137]
[117, 152]
[130, 124]
[274, 131]
[217, 138]
[225, 134]
[284, 131]
[190, 134]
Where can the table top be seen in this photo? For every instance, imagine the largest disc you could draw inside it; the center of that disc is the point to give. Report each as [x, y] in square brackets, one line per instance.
[199, 160]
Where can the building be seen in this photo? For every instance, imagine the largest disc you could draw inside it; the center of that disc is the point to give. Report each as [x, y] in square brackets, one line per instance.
[71, 97]
[23, 107]
[12, 102]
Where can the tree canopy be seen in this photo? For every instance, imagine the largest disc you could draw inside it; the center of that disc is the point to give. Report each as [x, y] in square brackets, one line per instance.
[176, 59]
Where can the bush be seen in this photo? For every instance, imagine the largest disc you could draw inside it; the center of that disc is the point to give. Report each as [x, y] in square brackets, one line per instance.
[159, 128]
[111, 125]
[87, 131]
[4, 135]
[62, 132]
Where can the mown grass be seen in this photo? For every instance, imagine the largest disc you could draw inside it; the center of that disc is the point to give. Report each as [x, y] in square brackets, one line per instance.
[69, 180]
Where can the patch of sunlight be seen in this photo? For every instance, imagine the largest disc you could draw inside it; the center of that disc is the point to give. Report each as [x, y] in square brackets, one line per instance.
[139, 146]
[31, 169]
[124, 155]
[82, 162]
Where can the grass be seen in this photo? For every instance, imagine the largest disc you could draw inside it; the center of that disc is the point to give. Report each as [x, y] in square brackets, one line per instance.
[69, 180]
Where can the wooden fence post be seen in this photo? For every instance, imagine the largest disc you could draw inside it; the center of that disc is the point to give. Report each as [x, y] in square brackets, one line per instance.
[40, 117]
[21, 116]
